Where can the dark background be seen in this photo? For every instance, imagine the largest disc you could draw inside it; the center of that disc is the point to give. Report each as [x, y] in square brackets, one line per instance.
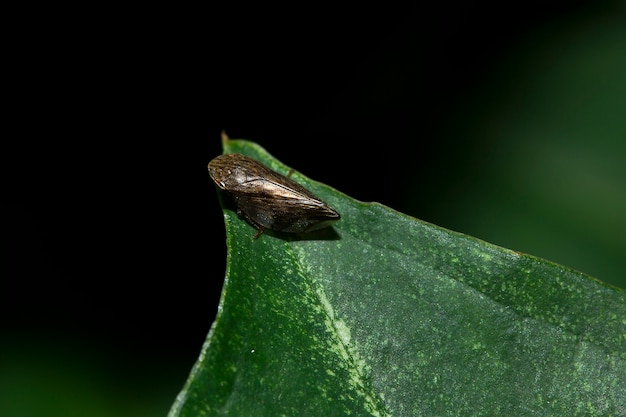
[114, 250]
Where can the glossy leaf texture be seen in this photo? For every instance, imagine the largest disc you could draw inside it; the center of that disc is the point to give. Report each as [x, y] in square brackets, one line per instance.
[386, 315]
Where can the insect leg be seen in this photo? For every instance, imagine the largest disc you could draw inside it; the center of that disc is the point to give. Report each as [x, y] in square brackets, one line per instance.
[258, 233]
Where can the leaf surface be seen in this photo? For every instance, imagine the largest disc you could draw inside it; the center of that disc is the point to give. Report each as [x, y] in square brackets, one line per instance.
[386, 315]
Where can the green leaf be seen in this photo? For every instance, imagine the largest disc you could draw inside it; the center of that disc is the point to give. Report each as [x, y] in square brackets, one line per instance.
[385, 315]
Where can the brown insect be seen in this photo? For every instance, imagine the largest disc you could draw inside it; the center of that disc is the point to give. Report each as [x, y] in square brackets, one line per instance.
[267, 199]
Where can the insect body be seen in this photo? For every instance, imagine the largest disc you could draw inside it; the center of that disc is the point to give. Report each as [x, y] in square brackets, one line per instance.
[267, 199]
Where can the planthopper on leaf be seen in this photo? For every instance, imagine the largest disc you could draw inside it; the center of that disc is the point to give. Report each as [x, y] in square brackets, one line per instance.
[267, 199]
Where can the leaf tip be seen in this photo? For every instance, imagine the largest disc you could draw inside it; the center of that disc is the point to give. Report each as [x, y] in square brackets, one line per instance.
[225, 139]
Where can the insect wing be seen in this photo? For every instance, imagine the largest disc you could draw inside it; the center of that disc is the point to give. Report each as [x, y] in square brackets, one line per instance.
[283, 208]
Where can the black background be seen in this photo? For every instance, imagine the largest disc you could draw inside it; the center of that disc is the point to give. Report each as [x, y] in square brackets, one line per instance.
[113, 234]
